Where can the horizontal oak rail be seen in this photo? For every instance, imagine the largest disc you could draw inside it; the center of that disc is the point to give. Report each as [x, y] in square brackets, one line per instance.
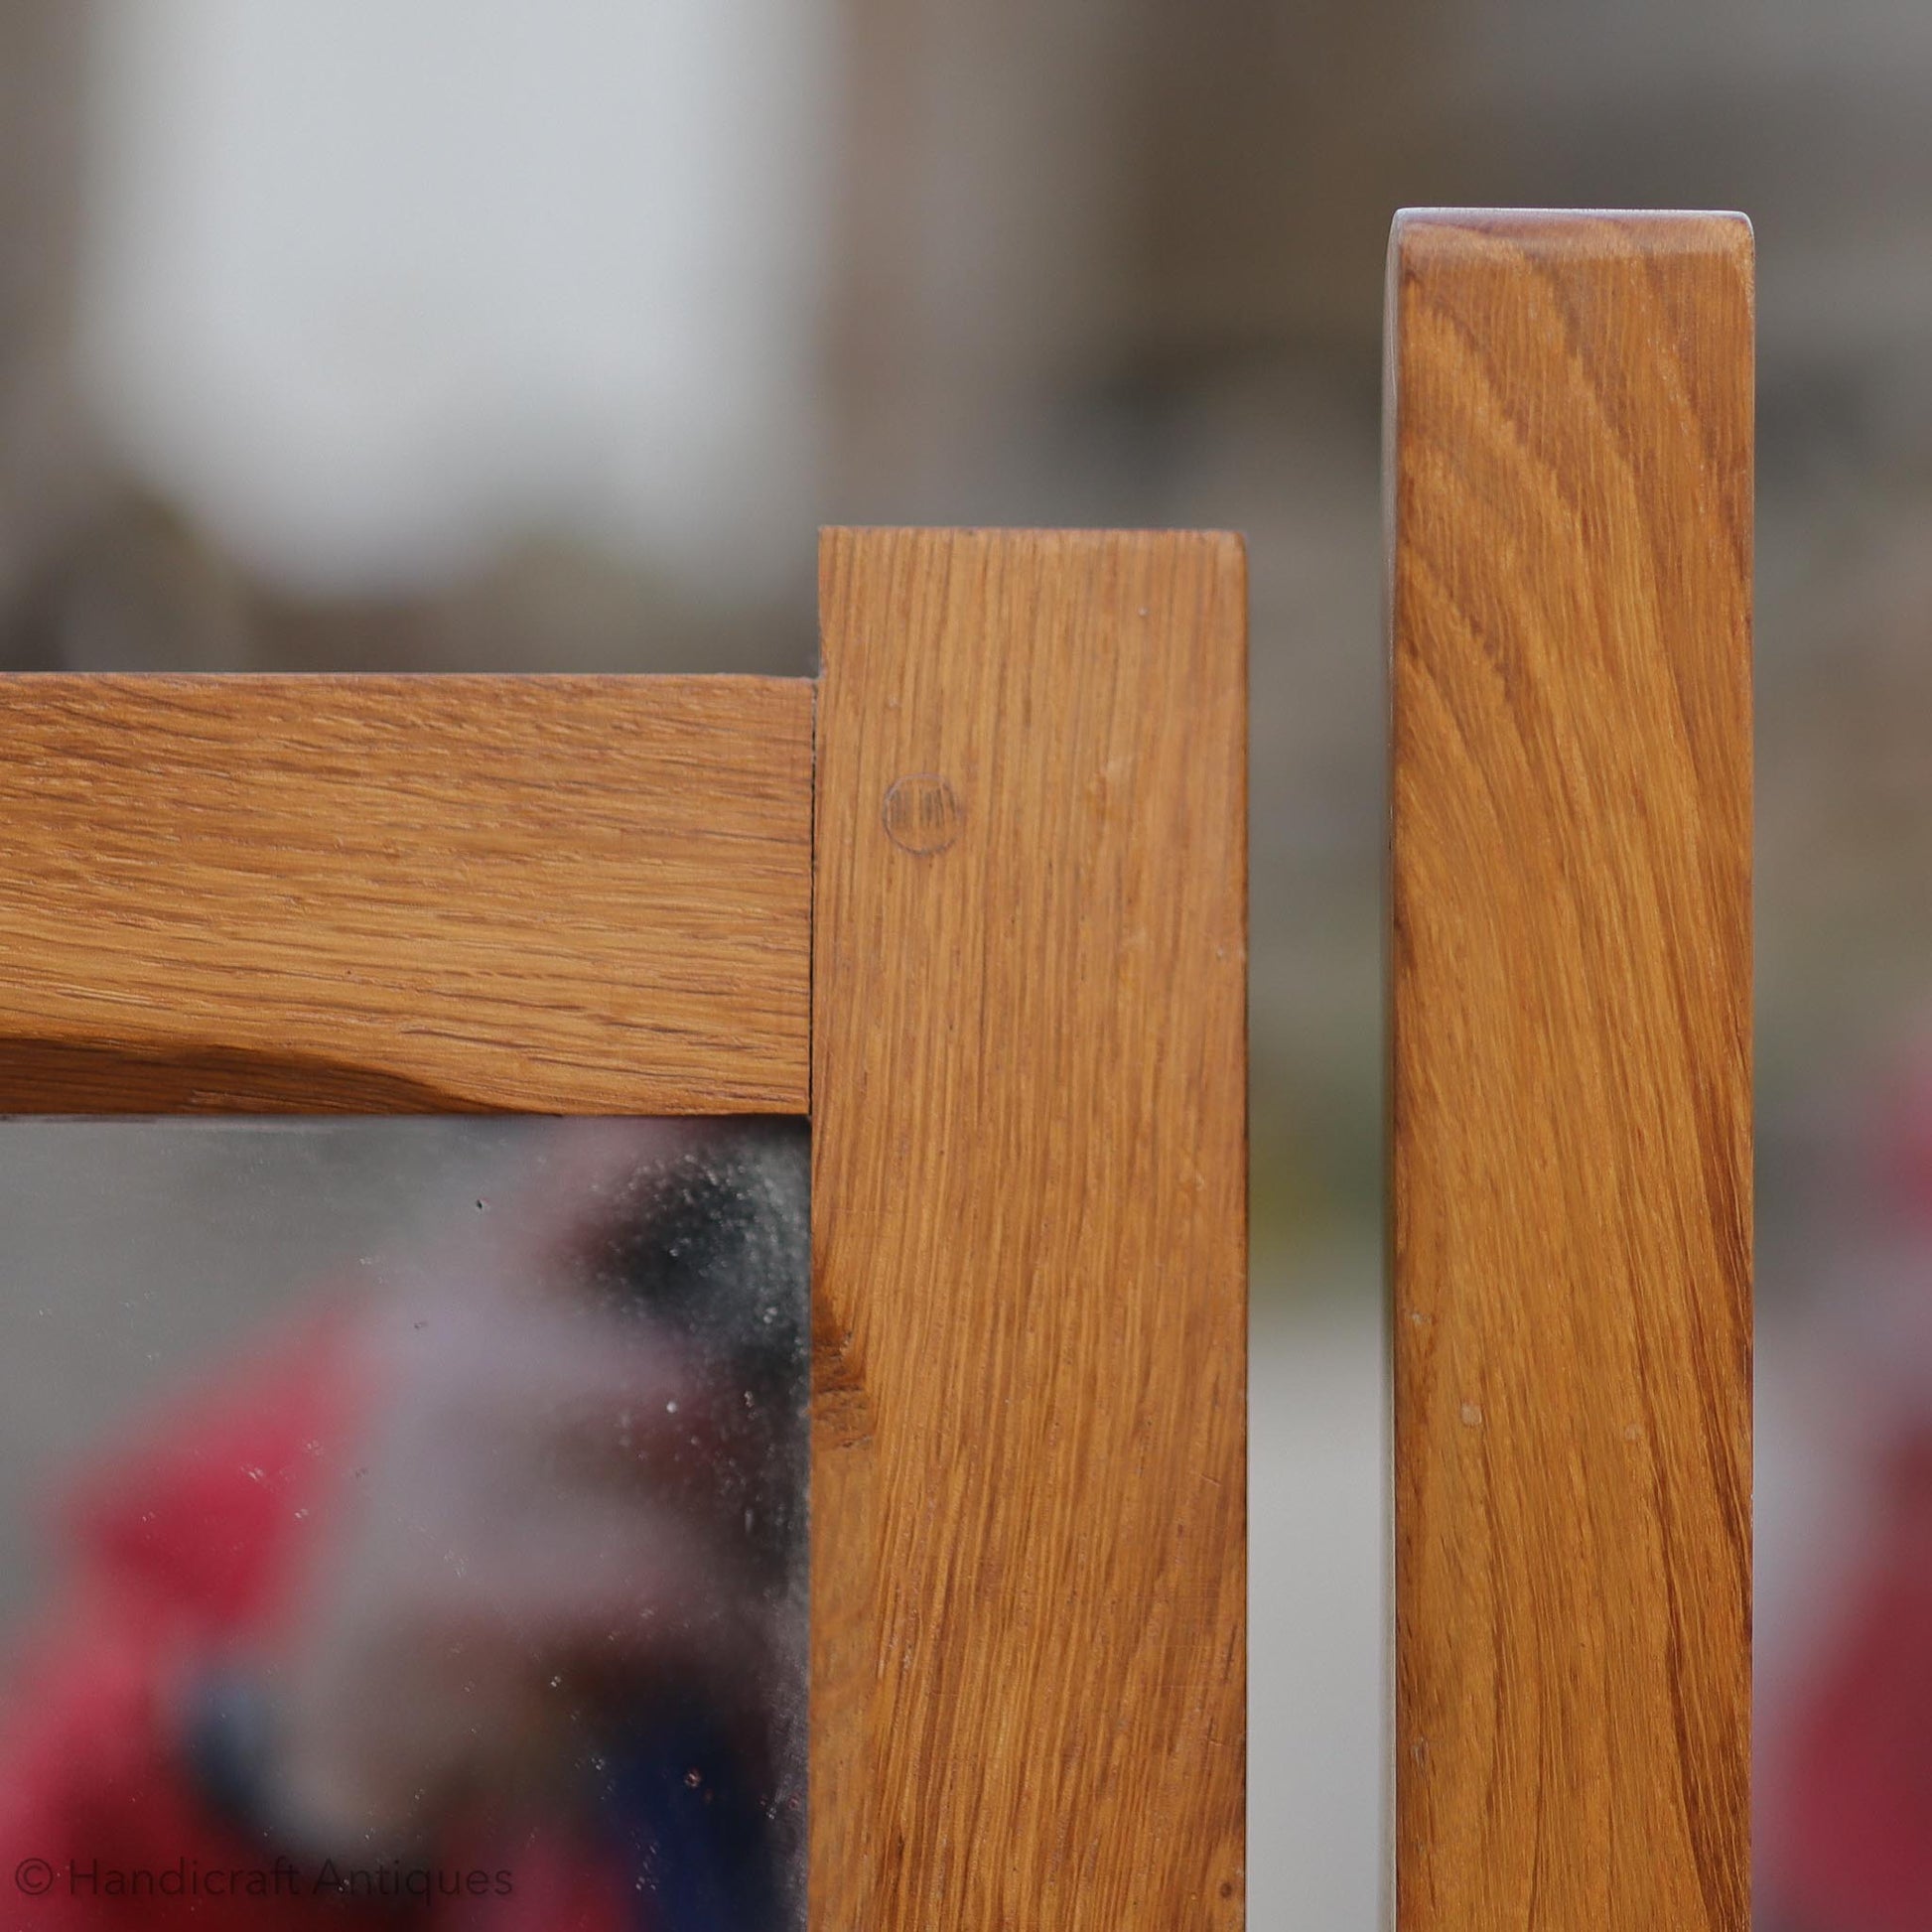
[381, 895]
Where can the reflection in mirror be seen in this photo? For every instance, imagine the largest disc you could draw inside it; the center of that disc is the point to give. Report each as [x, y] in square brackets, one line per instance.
[404, 1511]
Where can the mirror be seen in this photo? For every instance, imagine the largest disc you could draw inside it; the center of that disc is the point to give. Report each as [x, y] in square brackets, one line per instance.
[407, 1510]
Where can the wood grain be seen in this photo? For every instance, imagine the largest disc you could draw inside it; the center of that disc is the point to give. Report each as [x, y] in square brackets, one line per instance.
[404, 895]
[1571, 1132]
[1028, 1231]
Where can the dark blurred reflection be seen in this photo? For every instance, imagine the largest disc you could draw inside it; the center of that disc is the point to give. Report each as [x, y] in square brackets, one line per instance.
[456, 1573]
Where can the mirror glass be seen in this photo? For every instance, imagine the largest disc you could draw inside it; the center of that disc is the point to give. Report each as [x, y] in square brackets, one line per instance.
[405, 1510]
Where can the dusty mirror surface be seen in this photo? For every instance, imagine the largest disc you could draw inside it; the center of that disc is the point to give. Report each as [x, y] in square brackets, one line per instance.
[400, 1510]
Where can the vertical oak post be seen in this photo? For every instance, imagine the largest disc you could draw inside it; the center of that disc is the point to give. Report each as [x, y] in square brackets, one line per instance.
[1570, 499]
[1030, 1179]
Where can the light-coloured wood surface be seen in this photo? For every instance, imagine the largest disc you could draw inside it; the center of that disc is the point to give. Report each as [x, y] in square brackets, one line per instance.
[1029, 1194]
[404, 895]
[1571, 1132]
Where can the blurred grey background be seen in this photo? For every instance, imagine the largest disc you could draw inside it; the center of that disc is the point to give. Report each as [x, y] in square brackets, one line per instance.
[496, 335]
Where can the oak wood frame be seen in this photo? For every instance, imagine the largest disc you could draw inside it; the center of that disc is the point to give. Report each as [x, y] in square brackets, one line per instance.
[1003, 971]
[1570, 486]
